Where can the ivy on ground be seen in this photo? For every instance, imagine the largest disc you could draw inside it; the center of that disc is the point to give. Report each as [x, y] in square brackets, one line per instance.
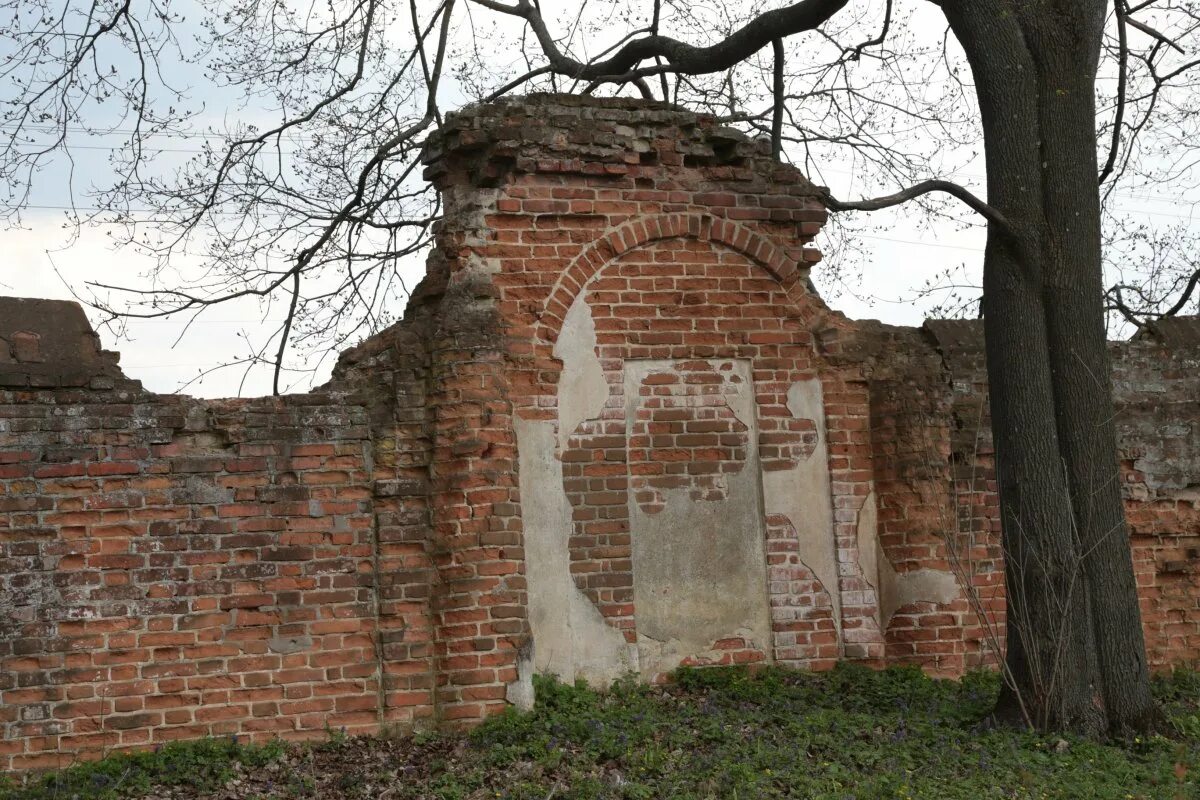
[848, 734]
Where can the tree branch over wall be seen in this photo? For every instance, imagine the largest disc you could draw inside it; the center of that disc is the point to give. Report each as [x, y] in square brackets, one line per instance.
[806, 15]
[993, 216]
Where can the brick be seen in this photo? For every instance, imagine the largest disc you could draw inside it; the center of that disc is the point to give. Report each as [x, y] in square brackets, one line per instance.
[271, 565]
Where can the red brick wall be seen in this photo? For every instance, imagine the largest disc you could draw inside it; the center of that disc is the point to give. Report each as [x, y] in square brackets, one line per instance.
[1157, 380]
[691, 244]
[935, 490]
[934, 477]
[676, 299]
[174, 569]
[355, 557]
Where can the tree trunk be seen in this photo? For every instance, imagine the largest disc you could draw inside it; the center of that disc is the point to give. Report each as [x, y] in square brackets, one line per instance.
[1076, 657]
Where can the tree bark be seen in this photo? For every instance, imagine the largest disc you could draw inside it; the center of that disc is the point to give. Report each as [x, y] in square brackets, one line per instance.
[1067, 47]
[1076, 656]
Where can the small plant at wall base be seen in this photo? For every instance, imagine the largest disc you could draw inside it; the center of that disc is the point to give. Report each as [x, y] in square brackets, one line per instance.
[203, 765]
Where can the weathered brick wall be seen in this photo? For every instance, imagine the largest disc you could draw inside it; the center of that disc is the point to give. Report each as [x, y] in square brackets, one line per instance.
[615, 432]
[171, 567]
[391, 373]
[625, 248]
[935, 481]
[1157, 382]
[936, 519]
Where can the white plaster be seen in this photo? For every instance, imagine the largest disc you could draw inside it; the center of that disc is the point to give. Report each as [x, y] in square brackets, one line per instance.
[582, 389]
[893, 589]
[520, 692]
[803, 495]
[870, 552]
[699, 566]
[570, 637]
[915, 586]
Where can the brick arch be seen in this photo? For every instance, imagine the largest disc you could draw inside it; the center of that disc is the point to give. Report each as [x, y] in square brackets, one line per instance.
[641, 231]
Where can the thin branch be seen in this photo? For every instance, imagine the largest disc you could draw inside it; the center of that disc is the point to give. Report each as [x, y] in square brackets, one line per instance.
[878, 40]
[515, 82]
[777, 111]
[286, 332]
[745, 41]
[1141, 317]
[1146, 29]
[993, 216]
[662, 76]
[1122, 79]
[1192, 283]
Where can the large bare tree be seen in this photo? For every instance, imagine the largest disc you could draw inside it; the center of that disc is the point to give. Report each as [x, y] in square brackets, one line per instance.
[313, 198]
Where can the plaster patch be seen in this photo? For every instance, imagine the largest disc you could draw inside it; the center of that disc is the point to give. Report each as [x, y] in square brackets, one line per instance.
[667, 655]
[582, 388]
[570, 637]
[803, 495]
[893, 589]
[699, 566]
[866, 532]
[520, 692]
[289, 644]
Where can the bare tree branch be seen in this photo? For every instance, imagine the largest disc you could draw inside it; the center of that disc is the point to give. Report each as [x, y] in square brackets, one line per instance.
[993, 216]
[1122, 79]
[877, 40]
[749, 39]
[777, 113]
[1146, 29]
[1116, 301]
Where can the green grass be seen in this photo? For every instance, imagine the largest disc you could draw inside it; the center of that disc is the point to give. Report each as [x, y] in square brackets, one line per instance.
[715, 733]
[206, 765]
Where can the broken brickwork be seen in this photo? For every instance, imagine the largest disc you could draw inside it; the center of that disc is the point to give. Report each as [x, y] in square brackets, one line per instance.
[615, 432]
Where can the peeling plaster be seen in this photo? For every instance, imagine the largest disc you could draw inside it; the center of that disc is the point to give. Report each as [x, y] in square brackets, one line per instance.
[803, 495]
[699, 567]
[870, 551]
[582, 388]
[289, 644]
[520, 692]
[897, 589]
[570, 637]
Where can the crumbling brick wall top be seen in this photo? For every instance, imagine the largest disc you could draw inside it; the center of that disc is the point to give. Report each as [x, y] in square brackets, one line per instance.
[598, 136]
[49, 344]
[1173, 331]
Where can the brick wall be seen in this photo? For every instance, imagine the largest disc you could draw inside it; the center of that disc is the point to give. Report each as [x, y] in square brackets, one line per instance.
[171, 568]
[616, 431]
[934, 474]
[1157, 382]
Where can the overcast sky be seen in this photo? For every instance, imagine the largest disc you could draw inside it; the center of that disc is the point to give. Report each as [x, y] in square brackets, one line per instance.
[46, 257]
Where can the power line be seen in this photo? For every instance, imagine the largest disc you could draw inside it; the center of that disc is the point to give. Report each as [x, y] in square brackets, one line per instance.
[309, 140]
[977, 176]
[232, 213]
[97, 210]
[143, 147]
[923, 244]
[32, 126]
